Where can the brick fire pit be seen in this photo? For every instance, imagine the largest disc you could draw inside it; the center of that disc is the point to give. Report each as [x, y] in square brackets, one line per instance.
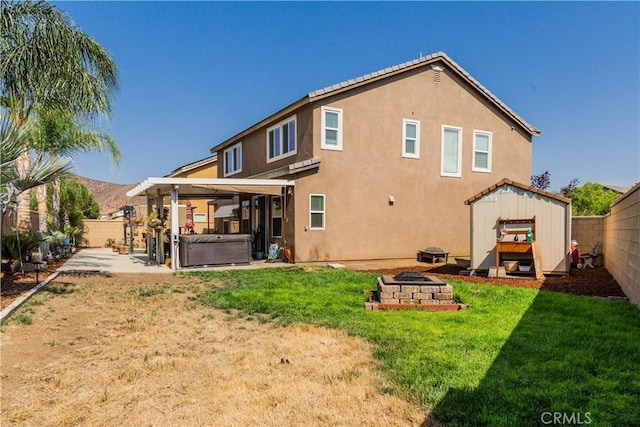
[412, 290]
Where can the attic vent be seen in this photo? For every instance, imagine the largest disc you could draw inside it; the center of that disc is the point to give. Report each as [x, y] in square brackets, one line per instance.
[436, 73]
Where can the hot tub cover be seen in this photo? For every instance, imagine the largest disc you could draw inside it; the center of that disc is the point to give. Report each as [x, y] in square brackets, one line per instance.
[208, 238]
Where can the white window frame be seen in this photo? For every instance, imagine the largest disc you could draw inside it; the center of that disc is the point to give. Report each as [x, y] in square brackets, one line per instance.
[323, 144]
[405, 153]
[323, 212]
[234, 154]
[457, 174]
[273, 216]
[280, 126]
[488, 152]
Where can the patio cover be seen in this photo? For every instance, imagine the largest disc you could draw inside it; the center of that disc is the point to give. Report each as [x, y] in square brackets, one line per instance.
[210, 187]
[191, 188]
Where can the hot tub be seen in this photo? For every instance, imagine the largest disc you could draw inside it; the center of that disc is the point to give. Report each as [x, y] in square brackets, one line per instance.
[214, 249]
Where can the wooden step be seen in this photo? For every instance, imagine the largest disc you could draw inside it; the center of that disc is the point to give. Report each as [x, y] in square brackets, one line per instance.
[537, 260]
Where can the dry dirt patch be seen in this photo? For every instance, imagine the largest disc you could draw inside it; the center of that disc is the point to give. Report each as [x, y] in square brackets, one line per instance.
[136, 350]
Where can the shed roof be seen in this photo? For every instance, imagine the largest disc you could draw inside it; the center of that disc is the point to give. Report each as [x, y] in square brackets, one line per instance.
[225, 211]
[506, 181]
[346, 85]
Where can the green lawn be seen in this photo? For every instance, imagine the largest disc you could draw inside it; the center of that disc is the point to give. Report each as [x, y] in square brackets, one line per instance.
[515, 355]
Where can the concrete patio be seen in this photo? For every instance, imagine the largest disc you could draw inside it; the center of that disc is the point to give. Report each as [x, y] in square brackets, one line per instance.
[106, 261]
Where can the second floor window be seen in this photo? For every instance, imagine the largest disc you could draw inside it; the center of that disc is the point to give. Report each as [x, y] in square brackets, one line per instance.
[451, 151]
[233, 160]
[281, 140]
[331, 129]
[481, 151]
[411, 139]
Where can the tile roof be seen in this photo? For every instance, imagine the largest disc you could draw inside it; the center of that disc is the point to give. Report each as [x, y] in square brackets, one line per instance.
[423, 60]
[378, 75]
[192, 165]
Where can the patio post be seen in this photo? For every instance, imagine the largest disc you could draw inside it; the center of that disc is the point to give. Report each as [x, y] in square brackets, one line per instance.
[159, 236]
[149, 236]
[175, 251]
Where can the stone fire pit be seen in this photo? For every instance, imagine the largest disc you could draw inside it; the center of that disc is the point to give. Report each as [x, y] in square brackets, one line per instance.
[412, 290]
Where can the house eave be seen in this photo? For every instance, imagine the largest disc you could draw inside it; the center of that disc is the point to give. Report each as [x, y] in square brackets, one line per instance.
[280, 114]
[376, 76]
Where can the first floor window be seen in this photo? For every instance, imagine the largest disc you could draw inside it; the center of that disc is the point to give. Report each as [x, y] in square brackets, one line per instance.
[233, 160]
[276, 216]
[410, 138]
[481, 151]
[451, 151]
[317, 211]
[331, 129]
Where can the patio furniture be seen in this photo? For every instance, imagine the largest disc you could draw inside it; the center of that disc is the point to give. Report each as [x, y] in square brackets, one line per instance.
[433, 254]
[587, 260]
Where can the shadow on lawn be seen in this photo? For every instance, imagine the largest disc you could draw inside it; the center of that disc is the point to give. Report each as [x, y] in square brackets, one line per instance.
[570, 360]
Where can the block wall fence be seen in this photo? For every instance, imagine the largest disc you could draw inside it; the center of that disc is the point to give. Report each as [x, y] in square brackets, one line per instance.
[622, 248]
[99, 230]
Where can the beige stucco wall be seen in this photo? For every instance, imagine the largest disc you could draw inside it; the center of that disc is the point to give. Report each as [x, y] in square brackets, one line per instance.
[254, 147]
[358, 181]
[622, 249]
[429, 209]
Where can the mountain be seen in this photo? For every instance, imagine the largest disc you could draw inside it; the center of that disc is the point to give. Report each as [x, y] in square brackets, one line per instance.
[109, 196]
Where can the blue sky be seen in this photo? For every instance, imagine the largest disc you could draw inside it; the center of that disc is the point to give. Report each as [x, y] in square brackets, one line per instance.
[195, 73]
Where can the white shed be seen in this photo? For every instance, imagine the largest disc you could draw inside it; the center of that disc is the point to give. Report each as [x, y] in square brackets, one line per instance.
[503, 212]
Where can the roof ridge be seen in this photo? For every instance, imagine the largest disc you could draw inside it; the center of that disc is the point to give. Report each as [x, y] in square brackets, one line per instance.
[364, 79]
[374, 74]
[422, 59]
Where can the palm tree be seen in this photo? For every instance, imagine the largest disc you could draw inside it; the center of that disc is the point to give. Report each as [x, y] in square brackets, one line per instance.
[41, 169]
[57, 133]
[46, 61]
[13, 181]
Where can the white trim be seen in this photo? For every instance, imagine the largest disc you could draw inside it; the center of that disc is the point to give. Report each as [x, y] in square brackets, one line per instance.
[415, 155]
[488, 152]
[323, 212]
[280, 126]
[224, 159]
[323, 136]
[457, 174]
[164, 185]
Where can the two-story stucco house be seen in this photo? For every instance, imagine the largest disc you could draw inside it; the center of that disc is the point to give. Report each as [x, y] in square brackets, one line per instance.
[382, 163]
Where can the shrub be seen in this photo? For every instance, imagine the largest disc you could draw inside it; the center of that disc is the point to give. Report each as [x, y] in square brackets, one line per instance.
[18, 246]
